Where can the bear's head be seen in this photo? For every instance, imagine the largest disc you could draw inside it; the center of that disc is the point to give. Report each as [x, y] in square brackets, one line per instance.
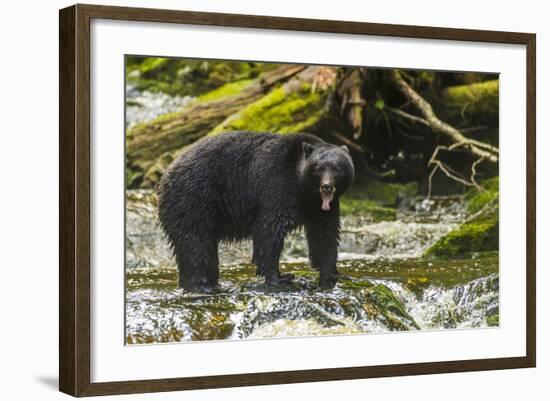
[326, 172]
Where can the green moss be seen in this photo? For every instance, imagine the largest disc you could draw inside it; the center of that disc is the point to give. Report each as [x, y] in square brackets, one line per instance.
[226, 90]
[476, 98]
[278, 111]
[478, 199]
[376, 199]
[151, 64]
[389, 193]
[479, 235]
[426, 77]
[349, 284]
[210, 326]
[188, 76]
[385, 193]
[355, 206]
[170, 335]
[493, 321]
[383, 304]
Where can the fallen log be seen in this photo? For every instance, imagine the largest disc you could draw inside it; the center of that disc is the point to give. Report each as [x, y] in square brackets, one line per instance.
[477, 99]
[159, 140]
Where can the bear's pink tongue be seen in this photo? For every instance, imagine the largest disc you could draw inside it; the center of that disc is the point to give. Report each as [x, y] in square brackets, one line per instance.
[326, 202]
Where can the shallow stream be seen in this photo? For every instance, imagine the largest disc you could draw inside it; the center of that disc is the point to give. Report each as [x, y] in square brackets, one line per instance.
[386, 285]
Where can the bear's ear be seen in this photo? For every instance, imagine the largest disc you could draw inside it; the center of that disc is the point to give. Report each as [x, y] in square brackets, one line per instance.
[307, 148]
[344, 148]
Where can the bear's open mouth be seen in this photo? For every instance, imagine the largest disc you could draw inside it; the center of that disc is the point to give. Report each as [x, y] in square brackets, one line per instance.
[326, 198]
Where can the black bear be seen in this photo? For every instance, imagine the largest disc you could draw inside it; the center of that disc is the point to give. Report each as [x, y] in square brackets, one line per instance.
[254, 185]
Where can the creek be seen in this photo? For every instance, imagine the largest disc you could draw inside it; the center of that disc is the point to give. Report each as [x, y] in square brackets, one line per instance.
[386, 285]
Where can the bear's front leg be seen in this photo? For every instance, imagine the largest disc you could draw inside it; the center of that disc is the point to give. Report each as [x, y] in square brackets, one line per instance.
[267, 247]
[322, 233]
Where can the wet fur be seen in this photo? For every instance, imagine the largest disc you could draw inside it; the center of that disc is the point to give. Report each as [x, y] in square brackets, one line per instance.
[251, 185]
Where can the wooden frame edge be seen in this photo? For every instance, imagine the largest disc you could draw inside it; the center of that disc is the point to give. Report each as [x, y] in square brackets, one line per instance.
[74, 199]
[67, 132]
[531, 201]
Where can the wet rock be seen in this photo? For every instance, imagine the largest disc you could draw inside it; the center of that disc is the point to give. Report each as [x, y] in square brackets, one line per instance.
[371, 297]
[480, 233]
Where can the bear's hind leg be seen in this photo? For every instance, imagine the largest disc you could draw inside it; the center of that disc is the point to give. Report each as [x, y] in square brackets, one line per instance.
[197, 261]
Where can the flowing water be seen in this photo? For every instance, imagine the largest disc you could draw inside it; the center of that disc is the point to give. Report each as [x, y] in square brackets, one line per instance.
[386, 285]
[144, 106]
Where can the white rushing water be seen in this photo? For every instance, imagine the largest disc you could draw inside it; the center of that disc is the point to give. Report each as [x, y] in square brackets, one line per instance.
[145, 106]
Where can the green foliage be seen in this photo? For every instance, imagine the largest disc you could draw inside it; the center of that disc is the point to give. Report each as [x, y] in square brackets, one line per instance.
[426, 77]
[278, 111]
[152, 64]
[176, 76]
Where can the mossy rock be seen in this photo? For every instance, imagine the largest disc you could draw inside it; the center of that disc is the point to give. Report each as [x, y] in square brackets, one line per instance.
[493, 321]
[478, 235]
[347, 283]
[383, 305]
[477, 200]
[210, 325]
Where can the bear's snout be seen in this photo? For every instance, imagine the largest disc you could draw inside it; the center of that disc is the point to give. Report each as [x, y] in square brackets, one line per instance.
[327, 191]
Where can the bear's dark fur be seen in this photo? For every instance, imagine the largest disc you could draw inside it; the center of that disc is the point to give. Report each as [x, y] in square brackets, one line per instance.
[254, 185]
